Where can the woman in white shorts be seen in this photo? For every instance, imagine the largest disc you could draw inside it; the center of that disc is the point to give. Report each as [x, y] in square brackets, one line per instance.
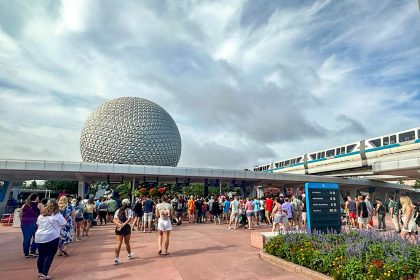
[165, 212]
[409, 224]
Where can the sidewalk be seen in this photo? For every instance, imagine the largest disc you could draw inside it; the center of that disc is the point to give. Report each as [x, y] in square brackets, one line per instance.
[203, 251]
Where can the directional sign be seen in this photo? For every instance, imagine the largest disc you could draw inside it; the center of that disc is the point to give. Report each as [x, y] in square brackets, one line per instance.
[323, 207]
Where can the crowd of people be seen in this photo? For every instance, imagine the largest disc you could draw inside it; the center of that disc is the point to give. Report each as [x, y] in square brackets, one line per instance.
[50, 226]
[238, 212]
[405, 216]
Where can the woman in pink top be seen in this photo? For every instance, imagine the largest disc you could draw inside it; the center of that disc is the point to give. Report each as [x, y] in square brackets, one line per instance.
[249, 208]
[278, 215]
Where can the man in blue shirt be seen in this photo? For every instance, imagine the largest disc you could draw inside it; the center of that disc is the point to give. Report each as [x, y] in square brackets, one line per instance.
[257, 205]
[148, 213]
[226, 207]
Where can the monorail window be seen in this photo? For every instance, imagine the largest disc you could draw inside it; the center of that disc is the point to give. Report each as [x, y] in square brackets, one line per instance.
[343, 150]
[375, 142]
[331, 153]
[319, 155]
[313, 156]
[277, 165]
[322, 154]
[350, 148]
[286, 163]
[406, 136]
[418, 133]
[298, 159]
[292, 161]
[393, 139]
[385, 140]
[337, 152]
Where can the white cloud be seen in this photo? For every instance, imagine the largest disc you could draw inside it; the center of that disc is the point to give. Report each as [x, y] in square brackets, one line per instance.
[247, 82]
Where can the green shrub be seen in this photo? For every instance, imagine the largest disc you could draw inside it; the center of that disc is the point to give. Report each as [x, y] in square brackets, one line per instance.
[354, 255]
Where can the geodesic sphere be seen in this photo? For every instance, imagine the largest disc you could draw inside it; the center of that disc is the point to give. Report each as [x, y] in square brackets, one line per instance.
[131, 130]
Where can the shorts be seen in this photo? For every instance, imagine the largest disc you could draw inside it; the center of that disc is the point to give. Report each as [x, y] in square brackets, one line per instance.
[249, 213]
[279, 219]
[111, 213]
[164, 225]
[79, 220]
[362, 221]
[126, 230]
[234, 216]
[297, 216]
[267, 213]
[147, 217]
[191, 211]
[88, 216]
[138, 215]
[411, 227]
[352, 215]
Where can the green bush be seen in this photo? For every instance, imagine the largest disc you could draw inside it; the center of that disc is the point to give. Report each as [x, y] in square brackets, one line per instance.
[354, 255]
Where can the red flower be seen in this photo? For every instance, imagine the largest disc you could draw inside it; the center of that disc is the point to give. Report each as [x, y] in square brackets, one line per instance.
[377, 262]
[162, 190]
[143, 191]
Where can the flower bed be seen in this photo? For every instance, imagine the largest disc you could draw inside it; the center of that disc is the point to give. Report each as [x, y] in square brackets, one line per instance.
[354, 255]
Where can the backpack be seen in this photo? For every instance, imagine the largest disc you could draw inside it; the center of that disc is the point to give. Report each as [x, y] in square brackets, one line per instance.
[79, 211]
[381, 210]
[103, 206]
[179, 206]
[297, 206]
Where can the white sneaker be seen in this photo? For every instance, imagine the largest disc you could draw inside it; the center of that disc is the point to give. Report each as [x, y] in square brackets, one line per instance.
[117, 261]
[131, 256]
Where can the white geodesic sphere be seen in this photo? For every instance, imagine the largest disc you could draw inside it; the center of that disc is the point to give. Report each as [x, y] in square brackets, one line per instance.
[131, 130]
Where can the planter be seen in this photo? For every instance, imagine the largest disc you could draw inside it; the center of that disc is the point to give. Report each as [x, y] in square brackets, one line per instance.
[309, 273]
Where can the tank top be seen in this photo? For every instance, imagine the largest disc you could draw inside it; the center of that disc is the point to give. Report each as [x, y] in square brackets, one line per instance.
[381, 209]
[279, 210]
[352, 206]
[89, 208]
[122, 216]
[30, 213]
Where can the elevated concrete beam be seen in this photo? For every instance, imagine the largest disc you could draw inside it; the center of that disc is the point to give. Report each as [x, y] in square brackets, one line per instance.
[84, 171]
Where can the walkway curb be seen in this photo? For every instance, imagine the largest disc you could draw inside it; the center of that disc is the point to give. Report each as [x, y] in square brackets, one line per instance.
[309, 273]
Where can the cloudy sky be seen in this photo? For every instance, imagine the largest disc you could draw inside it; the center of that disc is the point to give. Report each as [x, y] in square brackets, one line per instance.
[247, 82]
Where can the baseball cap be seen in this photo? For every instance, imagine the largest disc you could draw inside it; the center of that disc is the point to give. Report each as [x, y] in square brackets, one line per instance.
[126, 201]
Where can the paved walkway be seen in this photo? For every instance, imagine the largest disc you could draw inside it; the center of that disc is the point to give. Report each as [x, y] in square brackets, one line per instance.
[204, 251]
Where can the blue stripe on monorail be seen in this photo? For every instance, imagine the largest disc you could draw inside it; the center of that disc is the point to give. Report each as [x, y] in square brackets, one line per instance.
[382, 147]
[342, 155]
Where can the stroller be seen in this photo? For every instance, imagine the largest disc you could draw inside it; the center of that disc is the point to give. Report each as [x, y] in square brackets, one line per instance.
[242, 220]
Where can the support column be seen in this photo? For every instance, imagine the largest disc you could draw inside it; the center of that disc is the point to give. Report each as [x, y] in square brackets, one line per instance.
[81, 189]
[206, 187]
[4, 195]
[371, 191]
[397, 194]
[133, 187]
[243, 193]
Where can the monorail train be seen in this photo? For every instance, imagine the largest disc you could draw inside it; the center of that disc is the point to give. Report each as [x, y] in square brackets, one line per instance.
[351, 156]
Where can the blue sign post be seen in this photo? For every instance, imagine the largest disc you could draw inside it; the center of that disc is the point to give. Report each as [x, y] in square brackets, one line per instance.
[323, 207]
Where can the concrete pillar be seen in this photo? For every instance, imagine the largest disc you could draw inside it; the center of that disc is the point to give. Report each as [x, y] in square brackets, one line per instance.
[206, 187]
[81, 189]
[371, 191]
[4, 195]
[133, 188]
